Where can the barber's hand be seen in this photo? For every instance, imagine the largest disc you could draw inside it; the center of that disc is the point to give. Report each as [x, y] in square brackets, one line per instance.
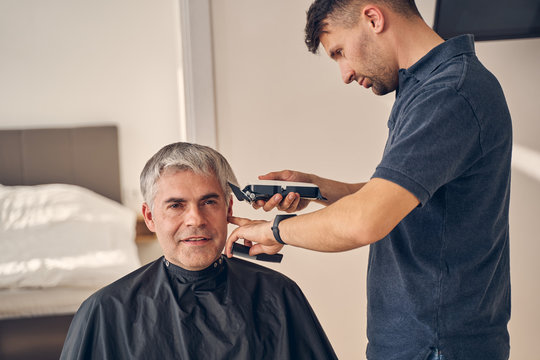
[292, 202]
[253, 231]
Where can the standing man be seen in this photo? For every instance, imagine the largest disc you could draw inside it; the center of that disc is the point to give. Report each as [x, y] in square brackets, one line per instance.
[435, 212]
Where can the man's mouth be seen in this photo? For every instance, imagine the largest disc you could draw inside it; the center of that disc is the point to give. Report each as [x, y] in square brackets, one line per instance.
[195, 240]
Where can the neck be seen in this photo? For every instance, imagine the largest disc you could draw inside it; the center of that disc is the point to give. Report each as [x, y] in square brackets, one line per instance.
[412, 40]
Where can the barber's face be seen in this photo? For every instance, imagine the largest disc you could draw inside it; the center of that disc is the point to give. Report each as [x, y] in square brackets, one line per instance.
[189, 218]
[360, 57]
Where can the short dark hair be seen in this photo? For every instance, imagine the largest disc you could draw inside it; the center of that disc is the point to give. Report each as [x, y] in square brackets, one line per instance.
[347, 13]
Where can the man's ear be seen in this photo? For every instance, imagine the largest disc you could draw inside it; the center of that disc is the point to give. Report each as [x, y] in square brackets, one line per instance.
[229, 210]
[375, 17]
[148, 219]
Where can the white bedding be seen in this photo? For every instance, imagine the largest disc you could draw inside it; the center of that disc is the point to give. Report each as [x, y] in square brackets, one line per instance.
[58, 244]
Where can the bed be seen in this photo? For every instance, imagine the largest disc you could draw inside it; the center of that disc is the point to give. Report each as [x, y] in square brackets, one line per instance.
[63, 232]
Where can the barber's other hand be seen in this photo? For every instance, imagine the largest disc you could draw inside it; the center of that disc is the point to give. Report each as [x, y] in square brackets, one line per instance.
[292, 202]
[258, 232]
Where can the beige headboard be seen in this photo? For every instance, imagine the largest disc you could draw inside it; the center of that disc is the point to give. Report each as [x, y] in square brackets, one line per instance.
[84, 156]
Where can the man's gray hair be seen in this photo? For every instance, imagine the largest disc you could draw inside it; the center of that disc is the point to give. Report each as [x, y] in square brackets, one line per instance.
[200, 159]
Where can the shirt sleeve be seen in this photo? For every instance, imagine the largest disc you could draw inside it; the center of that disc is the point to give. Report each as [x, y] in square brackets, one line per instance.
[432, 141]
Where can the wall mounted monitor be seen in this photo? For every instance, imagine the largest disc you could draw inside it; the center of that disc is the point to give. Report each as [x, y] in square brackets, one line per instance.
[488, 19]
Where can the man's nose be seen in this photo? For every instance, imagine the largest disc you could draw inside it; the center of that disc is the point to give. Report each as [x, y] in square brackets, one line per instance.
[194, 216]
[347, 74]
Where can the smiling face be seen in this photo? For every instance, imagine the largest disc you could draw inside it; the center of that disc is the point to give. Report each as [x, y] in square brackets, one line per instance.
[360, 57]
[189, 217]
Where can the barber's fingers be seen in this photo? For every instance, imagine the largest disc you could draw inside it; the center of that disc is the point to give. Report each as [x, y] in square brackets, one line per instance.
[268, 205]
[287, 175]
[289, 203]
[258, 204]
[284, 175]
[238, 220]
[247, 230]
[295, 204]
[233, 237]
[273, 202]
[265, 249]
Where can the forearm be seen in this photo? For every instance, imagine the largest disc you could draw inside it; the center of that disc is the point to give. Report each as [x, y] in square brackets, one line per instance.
[353, 221]
[334, 190]
[350, 222]
[331, 229]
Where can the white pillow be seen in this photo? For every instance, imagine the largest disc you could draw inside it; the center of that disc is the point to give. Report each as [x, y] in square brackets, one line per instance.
[63, 235]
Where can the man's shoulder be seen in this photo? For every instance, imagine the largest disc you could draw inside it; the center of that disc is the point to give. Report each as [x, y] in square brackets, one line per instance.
[124, 287]
[464, 74]
[241, 264]
[258, 272]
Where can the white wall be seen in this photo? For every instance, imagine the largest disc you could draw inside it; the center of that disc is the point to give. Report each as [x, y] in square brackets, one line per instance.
[75, 62]
[279, 106]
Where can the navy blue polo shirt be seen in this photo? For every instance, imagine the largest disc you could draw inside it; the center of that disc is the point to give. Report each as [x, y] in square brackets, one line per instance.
[441, 278]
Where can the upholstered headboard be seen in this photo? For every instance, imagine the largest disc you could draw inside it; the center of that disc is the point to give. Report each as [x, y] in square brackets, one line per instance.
[84, 156]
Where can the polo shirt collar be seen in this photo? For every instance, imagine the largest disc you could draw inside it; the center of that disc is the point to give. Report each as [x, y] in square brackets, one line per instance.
[463, 44]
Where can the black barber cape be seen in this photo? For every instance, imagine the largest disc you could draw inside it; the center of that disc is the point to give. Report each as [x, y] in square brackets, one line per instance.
[234, 309]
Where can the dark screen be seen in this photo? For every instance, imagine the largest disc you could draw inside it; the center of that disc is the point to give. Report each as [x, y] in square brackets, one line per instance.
[488, 19]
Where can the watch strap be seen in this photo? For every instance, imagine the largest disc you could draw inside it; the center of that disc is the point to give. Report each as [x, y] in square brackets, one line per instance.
[275, 226]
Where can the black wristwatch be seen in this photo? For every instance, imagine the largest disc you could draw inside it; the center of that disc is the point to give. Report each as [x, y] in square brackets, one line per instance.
[275, 226]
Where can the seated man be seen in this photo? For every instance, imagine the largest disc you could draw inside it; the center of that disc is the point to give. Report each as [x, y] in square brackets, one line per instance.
[194, 303]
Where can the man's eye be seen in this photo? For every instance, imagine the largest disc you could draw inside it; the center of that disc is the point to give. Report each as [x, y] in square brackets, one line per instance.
[210, 202]
[175, 205]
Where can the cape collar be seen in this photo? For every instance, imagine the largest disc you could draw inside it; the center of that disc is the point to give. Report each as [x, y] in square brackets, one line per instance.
[188, 276]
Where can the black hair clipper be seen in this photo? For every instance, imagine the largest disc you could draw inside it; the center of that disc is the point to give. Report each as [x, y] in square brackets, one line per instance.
[266, 190]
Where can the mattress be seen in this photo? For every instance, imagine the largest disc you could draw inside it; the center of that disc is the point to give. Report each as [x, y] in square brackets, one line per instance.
[16, 303]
